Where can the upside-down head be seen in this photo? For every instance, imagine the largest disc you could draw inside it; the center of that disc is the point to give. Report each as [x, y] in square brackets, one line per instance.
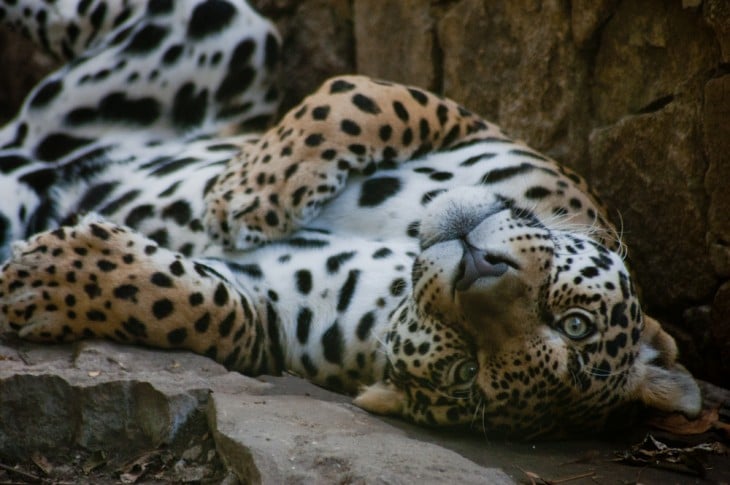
[523, 326]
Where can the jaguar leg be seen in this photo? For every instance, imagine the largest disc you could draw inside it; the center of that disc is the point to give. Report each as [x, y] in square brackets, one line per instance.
[351, 124]
[98, 279]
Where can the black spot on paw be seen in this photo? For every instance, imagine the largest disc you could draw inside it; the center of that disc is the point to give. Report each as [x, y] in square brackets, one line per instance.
[126, 292]
[313, 140]
[419, 96]
[220, 297]
[226, 325]
[162, 308]
[365, 104]
[385, 132]
[105, 265]
[96, 316]
[203, 323]
[272, 219]
[161, 280]
[400, 111]
[177, 336]
[350, 127]
[341, 86]
[92, 290]
[99, 232]
[196, 299]
[177, 268]
[320, 112]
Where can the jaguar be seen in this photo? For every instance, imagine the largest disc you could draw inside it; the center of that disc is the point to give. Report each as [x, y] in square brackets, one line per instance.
[378, 240]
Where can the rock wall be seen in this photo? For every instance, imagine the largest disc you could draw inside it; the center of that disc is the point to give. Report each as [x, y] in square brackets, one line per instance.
[634, 95]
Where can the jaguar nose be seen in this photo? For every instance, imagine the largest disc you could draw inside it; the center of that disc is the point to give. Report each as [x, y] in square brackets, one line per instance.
[478, 263]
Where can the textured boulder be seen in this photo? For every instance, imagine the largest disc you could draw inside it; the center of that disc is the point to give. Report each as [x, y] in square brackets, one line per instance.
[133, 397]
[120, 401]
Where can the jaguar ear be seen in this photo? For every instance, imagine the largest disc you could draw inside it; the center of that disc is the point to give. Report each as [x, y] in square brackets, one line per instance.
[664, 384]
[381, 398]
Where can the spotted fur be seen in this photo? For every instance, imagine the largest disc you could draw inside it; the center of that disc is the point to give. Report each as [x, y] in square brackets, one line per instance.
[379, 239]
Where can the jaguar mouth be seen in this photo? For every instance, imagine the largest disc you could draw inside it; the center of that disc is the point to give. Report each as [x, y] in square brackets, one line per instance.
[479, 263]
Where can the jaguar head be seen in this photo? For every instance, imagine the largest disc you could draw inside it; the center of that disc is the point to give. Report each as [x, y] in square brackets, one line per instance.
[522, 325]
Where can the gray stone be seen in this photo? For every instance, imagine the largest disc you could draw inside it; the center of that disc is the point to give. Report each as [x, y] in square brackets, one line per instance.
[133, 397]
[297, 439]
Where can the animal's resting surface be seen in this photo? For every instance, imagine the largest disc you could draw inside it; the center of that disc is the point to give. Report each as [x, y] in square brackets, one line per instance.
[378, 235]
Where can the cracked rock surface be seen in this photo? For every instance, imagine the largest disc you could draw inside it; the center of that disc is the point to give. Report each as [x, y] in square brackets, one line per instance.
[99, 412]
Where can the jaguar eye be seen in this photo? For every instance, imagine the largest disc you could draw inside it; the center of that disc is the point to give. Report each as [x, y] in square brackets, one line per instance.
[577, 325]
[466, 371]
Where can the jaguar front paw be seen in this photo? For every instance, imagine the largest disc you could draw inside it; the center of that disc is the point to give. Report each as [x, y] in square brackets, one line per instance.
[52, 286]
[234, 221]
[253, 204]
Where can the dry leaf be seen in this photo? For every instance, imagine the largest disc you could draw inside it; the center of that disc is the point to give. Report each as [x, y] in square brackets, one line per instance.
[97, 459]
[652, 452]
[536, 479]
[137, 468]
[42, 462]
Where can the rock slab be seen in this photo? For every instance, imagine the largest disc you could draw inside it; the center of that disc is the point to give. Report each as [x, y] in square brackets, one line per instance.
[100, 396]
